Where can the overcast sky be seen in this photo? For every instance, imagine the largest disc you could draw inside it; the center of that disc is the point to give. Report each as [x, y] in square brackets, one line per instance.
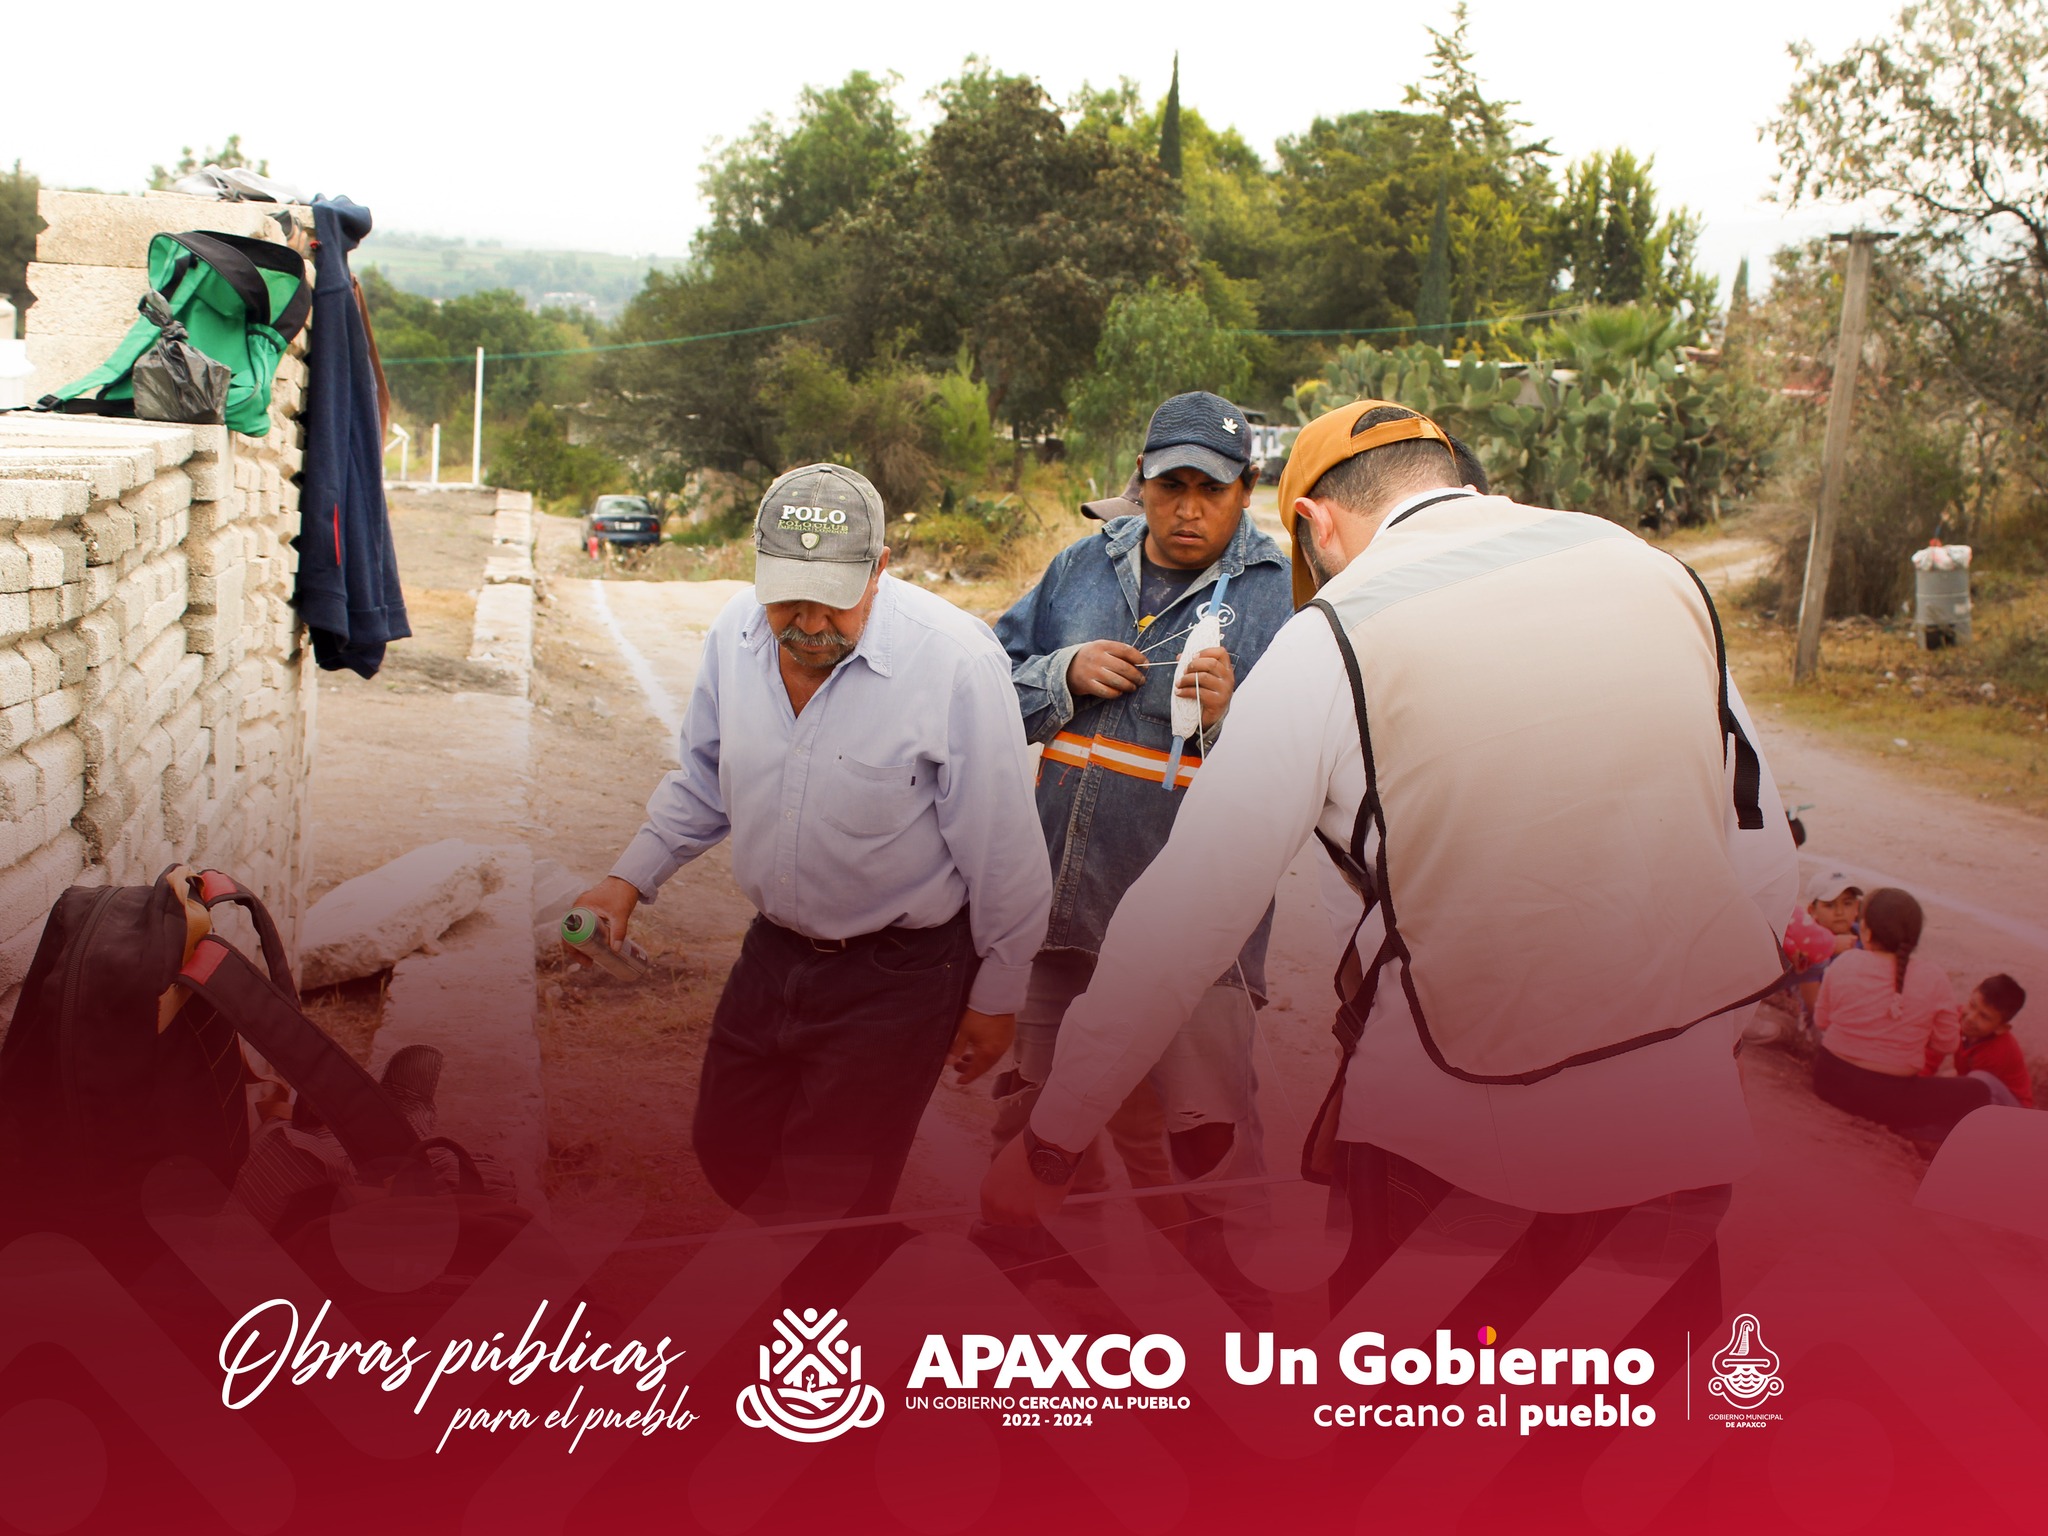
[582, 126]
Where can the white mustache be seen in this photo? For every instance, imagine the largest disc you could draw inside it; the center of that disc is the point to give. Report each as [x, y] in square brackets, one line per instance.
[828, 641]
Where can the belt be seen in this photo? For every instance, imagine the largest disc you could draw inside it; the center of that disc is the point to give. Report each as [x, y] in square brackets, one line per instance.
[858, 940]
[1125, 757]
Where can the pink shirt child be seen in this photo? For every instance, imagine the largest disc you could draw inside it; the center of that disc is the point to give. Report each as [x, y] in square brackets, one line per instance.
[1864, 1021]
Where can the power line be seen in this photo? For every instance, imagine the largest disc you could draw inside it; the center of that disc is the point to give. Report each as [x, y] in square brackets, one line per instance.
[1401, 330]
[616, 346]
[786, 325]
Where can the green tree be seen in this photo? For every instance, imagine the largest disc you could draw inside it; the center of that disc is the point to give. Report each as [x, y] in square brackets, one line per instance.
[229, 156]
[411, 326]
[881, 422]
[669, 410]
[1156, 343]
[1169, 126]
[19, 226]
[1943, 122]
[844, 143]
[1360, 198]
[1012, 236]
[1433, 302]
[539, 457]
[1613, 245]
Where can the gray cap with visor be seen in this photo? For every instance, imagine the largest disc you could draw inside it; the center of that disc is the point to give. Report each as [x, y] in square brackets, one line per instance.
[817, 537]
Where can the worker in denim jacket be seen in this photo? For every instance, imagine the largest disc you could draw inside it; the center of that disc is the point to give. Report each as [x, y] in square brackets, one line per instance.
[1092, 652]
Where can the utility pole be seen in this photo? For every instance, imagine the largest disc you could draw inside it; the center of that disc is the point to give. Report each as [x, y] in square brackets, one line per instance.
[476, 437]
[1820, 548]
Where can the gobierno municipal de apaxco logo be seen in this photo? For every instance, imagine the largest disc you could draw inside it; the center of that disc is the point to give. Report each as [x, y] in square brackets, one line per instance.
[1745, 1369]
[810, 1387]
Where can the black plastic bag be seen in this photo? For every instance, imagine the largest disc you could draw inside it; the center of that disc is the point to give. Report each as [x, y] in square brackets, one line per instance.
[174, 380]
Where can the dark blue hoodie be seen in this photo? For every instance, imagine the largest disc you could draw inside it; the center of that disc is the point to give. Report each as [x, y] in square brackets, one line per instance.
[348, 571]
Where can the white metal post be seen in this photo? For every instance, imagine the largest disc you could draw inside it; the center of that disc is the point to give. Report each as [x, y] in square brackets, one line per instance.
[436, 474]
[476, 437]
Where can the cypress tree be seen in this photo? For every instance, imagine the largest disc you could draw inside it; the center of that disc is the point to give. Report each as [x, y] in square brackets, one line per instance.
[1169, 125]
[1433, 303]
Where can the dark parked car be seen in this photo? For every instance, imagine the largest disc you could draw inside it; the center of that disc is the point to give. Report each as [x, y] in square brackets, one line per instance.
[627, 520]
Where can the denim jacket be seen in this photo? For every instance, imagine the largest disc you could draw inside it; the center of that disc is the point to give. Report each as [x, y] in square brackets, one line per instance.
[1101, 798]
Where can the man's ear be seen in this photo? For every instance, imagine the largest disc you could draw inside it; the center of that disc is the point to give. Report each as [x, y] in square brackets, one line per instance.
[1320, 519]
[882, 560]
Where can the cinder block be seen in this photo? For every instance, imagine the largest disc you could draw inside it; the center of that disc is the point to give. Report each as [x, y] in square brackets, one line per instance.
[17, 678]
[109, 534]
[59, 708]
[19, 785]
[45, 609]
[99, 736]
[211, 478]
[17, 726]
[100, 630]
[70, 651]
[43, 502]
[57, 759]
[13, 568]
[42, 666]
[83, 300]
[114, 229]
[15, 616]
[100, 822]
[28, 887]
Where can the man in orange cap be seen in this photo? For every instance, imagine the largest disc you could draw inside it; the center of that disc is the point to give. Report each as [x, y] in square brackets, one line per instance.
[1512, 729]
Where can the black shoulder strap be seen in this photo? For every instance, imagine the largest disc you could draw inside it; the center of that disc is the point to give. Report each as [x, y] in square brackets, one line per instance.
[365, 1118]
[237, 270]
[1368, 806]
[1749, 767]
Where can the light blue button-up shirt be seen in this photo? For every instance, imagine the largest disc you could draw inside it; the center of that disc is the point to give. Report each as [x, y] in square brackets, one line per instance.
[899, 795]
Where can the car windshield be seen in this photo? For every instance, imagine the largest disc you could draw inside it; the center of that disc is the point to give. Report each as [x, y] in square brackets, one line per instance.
[623, 506]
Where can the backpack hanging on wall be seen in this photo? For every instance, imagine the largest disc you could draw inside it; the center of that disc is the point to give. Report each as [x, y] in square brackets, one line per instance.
[240, 300]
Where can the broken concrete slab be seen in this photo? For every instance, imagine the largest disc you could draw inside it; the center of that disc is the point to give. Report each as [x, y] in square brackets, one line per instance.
[370, 923]
[474, 1002]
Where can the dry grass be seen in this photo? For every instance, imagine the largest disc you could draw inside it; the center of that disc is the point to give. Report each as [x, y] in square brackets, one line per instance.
[1973, 719]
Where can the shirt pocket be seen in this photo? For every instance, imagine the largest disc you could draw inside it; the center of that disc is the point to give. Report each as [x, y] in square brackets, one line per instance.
[876, 800]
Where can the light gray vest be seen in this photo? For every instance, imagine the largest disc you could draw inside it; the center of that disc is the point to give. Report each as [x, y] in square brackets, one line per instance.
[1543, 713]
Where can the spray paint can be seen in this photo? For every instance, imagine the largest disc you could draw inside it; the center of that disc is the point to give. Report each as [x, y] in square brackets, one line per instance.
[584, 930]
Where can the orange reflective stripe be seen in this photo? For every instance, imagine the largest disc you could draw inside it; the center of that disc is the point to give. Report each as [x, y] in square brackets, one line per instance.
[1125, 757]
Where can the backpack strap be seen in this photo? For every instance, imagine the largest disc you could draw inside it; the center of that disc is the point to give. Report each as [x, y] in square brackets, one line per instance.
[367, 1121]
[1749, 767]
[216, 888]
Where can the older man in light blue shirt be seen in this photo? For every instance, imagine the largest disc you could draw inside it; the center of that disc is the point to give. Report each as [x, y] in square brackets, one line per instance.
[858, 739]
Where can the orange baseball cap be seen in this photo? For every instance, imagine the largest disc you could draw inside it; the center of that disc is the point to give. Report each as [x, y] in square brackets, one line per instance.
[1327, 442]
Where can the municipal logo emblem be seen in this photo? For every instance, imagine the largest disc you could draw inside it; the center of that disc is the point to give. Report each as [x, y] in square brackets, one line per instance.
[808, 539]
[1745, 1371]
[810, 1387]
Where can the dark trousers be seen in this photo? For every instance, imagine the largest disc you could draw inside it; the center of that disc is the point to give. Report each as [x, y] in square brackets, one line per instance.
[1924, 1108]
[1389, 1199]
[820, 1065]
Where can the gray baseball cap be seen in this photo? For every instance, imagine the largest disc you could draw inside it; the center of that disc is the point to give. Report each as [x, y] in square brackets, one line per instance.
[1200, 431]
[817, 537]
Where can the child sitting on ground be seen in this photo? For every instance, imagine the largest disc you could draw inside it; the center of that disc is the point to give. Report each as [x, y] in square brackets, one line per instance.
[1882, 1012]
[1987, 1049]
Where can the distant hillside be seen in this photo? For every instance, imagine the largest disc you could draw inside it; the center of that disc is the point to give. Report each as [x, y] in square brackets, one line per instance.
[595, 281]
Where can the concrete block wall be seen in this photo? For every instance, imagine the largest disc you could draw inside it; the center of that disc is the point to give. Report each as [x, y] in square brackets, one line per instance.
[156, 694]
